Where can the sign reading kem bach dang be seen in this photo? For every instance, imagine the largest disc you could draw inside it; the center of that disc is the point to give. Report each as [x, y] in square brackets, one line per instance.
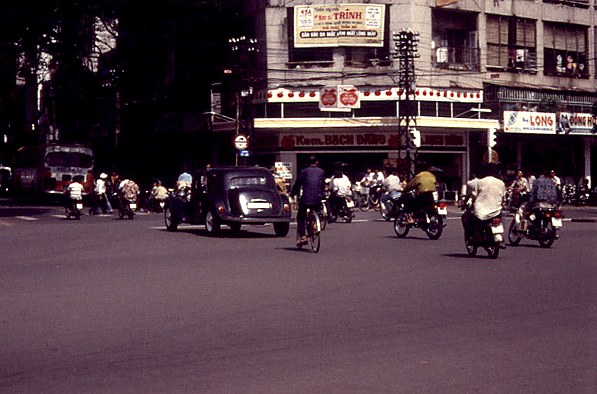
[336, 25]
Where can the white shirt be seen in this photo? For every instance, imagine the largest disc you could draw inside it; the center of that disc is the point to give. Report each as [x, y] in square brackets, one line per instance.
[392, 183]
[100, 186]
[488, 195]
[342, 185]
[75, 190]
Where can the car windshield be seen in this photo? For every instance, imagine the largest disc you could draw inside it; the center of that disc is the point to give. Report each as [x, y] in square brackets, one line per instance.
[254, 180]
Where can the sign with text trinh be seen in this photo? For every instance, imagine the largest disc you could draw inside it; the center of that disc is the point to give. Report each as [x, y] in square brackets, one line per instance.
[335, 25]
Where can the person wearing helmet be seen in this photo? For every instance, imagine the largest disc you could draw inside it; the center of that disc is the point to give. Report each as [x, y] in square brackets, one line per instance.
[101, 200]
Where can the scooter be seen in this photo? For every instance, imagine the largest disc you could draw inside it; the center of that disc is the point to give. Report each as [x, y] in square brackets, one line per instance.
[541, 223]
[74, 208]
[344, 208]
[127, 207]
[487, 234]
[431, 218]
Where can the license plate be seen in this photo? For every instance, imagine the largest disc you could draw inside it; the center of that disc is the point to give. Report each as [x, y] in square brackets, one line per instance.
[350, 204]
[133, 205]
[442, 211]
[556, 222]
[499, 229]
[79, 206]
[259, 205]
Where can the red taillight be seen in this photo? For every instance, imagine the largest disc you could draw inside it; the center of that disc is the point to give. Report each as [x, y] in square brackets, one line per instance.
[443, 204]
[558, 215]
[286, 208]
[496, 221]
[221, 209]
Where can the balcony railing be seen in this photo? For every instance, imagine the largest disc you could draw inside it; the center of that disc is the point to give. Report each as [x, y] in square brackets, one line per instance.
[456, 58]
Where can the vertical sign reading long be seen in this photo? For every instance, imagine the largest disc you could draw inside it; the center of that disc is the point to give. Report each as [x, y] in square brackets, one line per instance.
[339, 25]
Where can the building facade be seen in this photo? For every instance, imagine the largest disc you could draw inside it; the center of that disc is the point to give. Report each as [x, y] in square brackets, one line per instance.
[325, 81]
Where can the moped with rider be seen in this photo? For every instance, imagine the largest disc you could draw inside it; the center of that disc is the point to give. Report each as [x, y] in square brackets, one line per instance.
[539, 222]
[429, 215]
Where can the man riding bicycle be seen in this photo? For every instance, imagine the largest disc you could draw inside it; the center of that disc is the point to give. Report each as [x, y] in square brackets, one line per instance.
[309, 185]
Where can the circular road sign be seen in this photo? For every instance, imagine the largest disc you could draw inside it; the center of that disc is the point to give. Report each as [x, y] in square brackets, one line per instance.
[241, 142]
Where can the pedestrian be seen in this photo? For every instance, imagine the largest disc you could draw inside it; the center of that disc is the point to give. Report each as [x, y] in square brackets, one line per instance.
[101, 200]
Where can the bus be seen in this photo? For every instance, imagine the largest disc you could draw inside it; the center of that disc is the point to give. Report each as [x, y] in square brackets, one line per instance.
[46, 170]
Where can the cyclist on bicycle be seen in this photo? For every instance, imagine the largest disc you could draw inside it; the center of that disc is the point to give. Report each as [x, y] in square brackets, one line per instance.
[311, 181]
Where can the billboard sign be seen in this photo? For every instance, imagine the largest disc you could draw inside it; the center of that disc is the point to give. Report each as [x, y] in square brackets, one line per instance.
[529, 122]
[336, 25]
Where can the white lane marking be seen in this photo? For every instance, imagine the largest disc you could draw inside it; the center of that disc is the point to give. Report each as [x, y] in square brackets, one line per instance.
[28, 218]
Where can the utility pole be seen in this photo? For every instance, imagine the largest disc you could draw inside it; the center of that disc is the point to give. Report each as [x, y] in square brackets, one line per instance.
[405, 44]
[243, 50]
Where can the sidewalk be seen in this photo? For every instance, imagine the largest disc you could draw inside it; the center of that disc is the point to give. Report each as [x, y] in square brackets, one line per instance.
[585, 213]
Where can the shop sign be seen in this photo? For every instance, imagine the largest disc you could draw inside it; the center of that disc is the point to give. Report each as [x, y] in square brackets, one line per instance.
[575, 123]
[529, 122]
[283, 169]
[339, 140]
[334, 25]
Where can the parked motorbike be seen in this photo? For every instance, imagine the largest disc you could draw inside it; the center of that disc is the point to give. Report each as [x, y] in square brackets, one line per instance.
[430, 218]
[541, 223]
[74, 208]
[487, 234]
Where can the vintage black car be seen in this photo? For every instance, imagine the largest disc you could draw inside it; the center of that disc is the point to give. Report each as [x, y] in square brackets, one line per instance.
[230, 196]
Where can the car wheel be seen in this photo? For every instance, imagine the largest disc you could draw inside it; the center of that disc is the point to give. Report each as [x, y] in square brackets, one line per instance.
[281, 229]
[170, 220]
[212, 224]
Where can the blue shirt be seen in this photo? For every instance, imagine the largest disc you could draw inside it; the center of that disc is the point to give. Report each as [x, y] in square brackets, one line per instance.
[312, 182]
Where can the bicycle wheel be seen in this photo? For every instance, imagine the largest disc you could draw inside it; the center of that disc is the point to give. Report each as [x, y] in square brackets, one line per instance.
[313, 232]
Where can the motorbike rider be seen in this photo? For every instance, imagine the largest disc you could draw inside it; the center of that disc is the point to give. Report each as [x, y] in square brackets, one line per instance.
[158, 193]
[392, 186]
[128, 190]
[424, 185]
[74, 191]
[518, 186]
[311, 181]
[341, 189]
[544, 192]
[487, 195]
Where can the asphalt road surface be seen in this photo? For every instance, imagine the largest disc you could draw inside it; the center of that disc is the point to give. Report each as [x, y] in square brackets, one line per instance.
[103, 305]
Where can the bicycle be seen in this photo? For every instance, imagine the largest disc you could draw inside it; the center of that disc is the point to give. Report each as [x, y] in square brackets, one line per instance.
[312, 230]
[368, 198]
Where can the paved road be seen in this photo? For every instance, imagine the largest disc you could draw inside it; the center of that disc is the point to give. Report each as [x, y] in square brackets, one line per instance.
[115, 306]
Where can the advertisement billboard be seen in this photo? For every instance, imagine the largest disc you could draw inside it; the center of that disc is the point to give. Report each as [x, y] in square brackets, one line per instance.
[337, 25]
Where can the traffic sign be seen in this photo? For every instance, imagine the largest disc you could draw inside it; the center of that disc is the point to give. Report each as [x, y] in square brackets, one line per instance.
[241, 142]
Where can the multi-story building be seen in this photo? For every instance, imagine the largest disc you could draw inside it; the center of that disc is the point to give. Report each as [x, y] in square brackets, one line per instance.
[325, 80]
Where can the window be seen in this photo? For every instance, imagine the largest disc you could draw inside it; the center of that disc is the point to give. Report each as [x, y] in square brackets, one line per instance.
[565, 50]
[455, 40]
[511, 43]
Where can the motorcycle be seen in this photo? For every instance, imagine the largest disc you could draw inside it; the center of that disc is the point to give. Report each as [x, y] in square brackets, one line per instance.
[540, 223]
[344, 206]
[388, 203]
[430, 218]
[74, 208]
[487, 234]
[127, 207]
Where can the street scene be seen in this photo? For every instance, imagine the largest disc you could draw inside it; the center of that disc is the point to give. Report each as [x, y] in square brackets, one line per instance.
[106, 305]
[271, 196]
